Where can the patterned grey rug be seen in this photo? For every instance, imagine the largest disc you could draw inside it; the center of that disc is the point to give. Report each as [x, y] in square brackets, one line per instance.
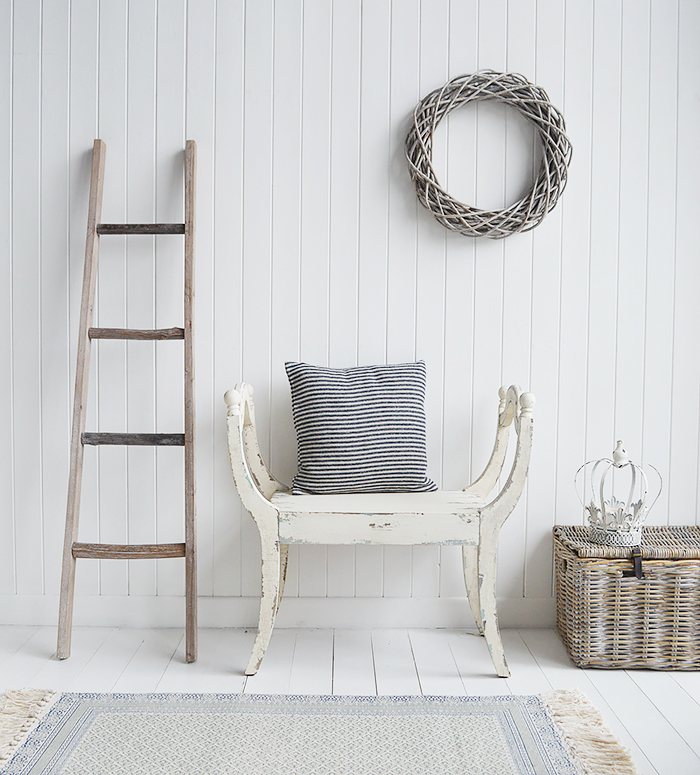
[560, 733]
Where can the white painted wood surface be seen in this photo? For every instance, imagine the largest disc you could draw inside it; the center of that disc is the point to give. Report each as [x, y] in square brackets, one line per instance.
[657, 722]
[299, 111]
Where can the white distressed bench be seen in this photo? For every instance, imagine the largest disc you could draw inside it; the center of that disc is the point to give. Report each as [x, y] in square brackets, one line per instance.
[442, 517]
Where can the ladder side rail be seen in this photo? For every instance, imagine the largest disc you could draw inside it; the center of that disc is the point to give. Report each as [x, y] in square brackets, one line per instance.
[87, 304]
[190, 481]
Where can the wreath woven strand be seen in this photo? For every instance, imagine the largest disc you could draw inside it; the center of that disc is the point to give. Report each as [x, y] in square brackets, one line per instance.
[530, 101]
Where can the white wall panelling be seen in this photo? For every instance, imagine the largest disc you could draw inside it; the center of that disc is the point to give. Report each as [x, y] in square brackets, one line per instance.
[7, 519]
[228, 236]
[55, 231]
[82, 129]
[170, 90]
[661, 246]
[686, 369]
[26, 290]
[311, 245]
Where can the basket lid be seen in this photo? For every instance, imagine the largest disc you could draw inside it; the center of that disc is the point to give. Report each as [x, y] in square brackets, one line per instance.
[674, 542]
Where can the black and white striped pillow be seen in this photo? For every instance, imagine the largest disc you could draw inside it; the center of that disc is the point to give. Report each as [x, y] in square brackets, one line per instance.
[359, 429]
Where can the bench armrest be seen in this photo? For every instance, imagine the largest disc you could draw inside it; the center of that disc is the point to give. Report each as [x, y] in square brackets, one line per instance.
[254, 483]
[497, 511]
[507, 411]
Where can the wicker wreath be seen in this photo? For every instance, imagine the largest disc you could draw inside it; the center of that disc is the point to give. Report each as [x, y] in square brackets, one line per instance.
[529, 100]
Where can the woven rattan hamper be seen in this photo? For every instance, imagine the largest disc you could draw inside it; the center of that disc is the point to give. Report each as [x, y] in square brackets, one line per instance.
[609, 618]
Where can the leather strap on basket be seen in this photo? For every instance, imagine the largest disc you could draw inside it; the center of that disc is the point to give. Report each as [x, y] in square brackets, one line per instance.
[637, 559]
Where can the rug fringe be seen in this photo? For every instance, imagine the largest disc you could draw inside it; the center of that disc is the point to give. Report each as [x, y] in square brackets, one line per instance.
[20, 712]
[586, 734]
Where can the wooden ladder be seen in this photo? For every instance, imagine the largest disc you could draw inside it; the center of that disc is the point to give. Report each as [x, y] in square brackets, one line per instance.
[72, 549]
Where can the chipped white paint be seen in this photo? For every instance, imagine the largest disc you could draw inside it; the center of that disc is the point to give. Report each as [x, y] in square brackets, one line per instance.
[379, 518]
[442, 517]
[487, 481]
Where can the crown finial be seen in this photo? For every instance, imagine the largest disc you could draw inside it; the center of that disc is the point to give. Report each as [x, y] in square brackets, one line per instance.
[619, 456]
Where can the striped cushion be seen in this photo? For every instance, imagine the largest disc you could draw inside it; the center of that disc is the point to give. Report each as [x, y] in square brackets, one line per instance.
[360, 429]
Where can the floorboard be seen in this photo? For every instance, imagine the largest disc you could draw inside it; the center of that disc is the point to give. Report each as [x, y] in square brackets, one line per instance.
[353, 663]
[22, 666]
[676, 705]
[526, 677]
[690, 682]
[660, 742]
[221, 659]
[435, 663]
[149, 663]
[276, 669]
[12, 639]
[394, 665]
[109, 661]
[312, 666]
[60, 674]
[473, 661]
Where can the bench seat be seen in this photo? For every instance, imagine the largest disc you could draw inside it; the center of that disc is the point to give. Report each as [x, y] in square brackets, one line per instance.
[440, 517]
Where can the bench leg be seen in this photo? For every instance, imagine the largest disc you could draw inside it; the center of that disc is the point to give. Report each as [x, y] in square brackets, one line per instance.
[487, 595]
[269, 601]
[284, 557]
[470, 565]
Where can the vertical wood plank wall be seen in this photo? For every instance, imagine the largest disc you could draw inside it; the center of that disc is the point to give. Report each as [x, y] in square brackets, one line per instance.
[311, 246]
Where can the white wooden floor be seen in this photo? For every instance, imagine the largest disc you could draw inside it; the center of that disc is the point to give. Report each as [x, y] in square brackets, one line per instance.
[657, 715]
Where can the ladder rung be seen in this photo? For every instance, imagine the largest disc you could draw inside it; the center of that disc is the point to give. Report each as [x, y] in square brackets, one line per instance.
[139, 439]
[128, 552]
[141, 228]
[136, 333]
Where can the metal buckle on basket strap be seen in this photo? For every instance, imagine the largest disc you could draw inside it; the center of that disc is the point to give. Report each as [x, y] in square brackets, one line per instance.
[637, 559]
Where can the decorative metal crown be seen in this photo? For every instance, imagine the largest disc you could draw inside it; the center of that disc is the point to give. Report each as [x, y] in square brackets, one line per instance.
[613, 521]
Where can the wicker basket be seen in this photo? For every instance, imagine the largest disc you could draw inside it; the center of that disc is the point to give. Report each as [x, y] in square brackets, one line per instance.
[609, 618]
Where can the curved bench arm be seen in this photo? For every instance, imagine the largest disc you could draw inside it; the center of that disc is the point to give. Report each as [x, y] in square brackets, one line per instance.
[255, 484]
[495, 513]
[507, 409]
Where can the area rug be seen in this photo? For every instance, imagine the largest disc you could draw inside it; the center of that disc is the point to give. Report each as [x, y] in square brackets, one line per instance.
[559, 733]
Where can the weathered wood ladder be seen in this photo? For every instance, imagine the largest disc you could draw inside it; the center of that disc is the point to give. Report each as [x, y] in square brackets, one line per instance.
[72, 549]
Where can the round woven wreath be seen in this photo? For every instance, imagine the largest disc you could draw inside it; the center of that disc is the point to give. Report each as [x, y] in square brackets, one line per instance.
[529, 100]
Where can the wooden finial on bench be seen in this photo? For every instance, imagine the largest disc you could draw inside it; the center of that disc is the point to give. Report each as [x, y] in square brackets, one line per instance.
[527, 401]
[502, 393]
[235, 396]
[233, 401]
